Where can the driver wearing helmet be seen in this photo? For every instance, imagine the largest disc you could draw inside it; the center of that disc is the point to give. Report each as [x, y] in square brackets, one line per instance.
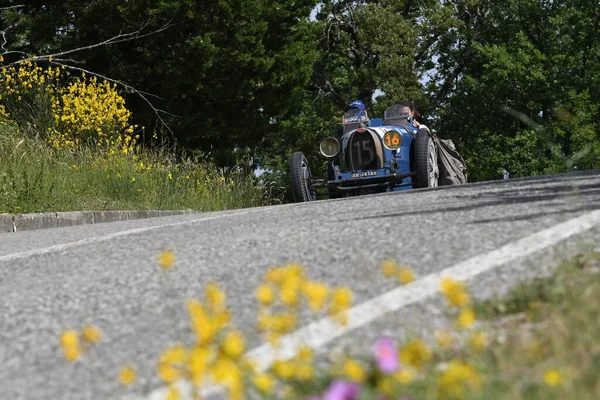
[360, 106]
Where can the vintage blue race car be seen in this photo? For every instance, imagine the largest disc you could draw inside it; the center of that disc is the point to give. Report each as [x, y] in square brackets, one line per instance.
[370, 156]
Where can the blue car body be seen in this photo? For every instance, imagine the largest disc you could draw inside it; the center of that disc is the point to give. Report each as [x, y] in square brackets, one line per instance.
[365, 165]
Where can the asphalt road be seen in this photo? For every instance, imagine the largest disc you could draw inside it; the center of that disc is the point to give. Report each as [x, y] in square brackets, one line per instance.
[107, 274]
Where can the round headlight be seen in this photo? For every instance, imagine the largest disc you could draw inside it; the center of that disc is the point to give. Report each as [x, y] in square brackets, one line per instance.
[392, 140]
[330, 147]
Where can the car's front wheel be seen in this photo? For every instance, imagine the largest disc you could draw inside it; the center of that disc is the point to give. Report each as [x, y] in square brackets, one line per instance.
[301, 178]
[428, 171]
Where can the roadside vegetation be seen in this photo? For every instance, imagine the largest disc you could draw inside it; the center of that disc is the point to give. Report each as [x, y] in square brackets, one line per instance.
[538, 342]
[68, 144]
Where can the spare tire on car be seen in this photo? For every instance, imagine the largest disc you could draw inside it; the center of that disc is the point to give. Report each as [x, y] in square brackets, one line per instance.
[426, 163]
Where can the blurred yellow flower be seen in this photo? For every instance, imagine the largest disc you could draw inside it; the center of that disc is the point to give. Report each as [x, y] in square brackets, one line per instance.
[166, 259]
[264, 382]
[283, 369]
[405, 375]
[354, 371]
[465, 319]
[389, 268]
[444, 339]
[127, 376]
[169, 373]
[415, 353]
[265, 295]
[215, 296]
[341, 299]
[458, 378]
[234, 344]
[405, 275]
[455, 292]
[316, 295]
[552, 377]
[91, 334]
[173, 394]
[304, 372]
[479, 341]
[70, 343]
[170, 176]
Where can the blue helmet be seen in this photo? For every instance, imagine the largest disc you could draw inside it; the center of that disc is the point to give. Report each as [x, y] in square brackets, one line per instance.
[358, 104]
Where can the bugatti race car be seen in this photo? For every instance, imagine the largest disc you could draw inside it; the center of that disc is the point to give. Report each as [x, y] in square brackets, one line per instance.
[378, 155]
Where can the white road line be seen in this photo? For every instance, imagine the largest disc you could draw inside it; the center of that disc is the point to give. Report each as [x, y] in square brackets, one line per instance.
[82, 242]
[324, 331]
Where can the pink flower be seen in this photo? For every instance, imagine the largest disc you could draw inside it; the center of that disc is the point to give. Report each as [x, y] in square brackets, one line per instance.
[342, 390]
[386, 355]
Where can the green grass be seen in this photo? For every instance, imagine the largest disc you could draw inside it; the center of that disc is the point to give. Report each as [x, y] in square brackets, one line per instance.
[35, 178]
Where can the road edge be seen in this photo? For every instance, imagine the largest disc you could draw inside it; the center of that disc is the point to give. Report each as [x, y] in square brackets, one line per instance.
[47, 220]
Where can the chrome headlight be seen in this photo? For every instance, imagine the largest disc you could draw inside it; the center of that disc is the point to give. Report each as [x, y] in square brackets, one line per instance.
[330, 147]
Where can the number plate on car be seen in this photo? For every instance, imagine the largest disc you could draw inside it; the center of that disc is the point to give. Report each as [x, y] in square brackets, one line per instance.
[362, 174]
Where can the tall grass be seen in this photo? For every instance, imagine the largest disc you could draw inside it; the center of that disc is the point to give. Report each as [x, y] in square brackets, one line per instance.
[37, 178]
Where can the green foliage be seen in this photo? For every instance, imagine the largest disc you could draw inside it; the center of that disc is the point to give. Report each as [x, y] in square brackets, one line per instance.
[37, 178]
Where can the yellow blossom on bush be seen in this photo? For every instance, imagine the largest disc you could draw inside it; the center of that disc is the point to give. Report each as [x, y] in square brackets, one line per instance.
[341, 299]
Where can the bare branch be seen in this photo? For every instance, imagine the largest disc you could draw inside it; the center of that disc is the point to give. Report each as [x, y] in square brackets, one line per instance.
[122, 37]
[11, 7]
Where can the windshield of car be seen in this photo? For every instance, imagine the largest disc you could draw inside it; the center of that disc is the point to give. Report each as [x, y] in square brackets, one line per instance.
[354, 115]
[394, 115]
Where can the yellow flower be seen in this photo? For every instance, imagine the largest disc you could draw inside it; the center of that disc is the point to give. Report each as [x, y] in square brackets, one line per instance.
[198, 363]
[264, 382]
[234, 344]
[168, 372]
[215, 296]
[283, 369]
[341, 299]
[170, 176]
[304, 372]
[133, 179]
[354, 371]
[444, 339]
[552, 377]
[455, 292]
[466, 318]
[415, 353]
[265, 295]
[316, 295]
[70, 343]
[73, 166]
[405, 376]
[478, 341]
[173, 394]
[166, 259]
[127, 376]
[405, 275]
[389, 268]
[456, 379]
[91, 334]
